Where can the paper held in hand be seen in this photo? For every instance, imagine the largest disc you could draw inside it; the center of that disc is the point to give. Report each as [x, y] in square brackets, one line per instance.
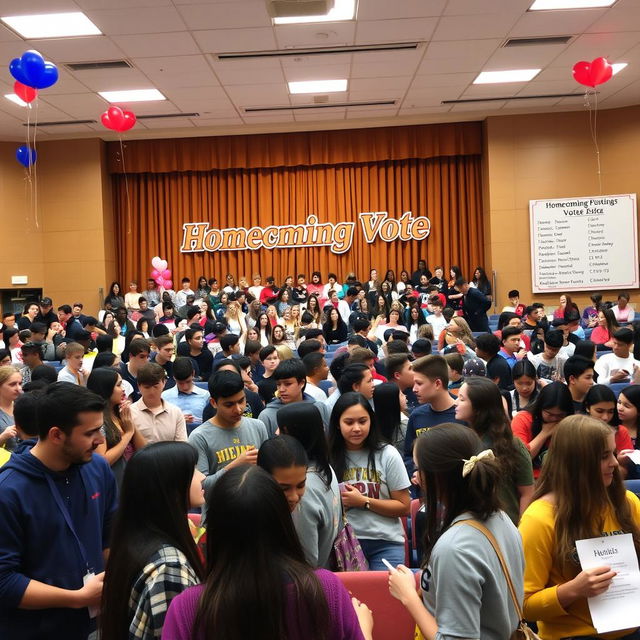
[617, 608]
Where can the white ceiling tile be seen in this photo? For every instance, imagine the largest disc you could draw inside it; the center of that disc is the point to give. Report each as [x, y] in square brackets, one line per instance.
[531, 104]
[232, 40]
[164, 44]
[618, 18]
[88, 105]
[416, 111]
[539, 87]
[324, 72]
[482, 106]
[18, 7]
[231, 75]
[114, 80]
[468, 50]
[523, 57]
[431, 97]
[385, 10]
[44, 112]
[473, 7]
[168, 123]
[289, 36]
[276, 116]
[137, 20]
[320, 115]
[86, 49]
[91, 5]
[65, 129]
[493, 90]
[484, 25]
[595, 45]
[67, 83]
[554, 23]
[403, 30]
[177, 71]
[217, 122]
[151, 108]
[388, 63]
[392, 84]
[258, 95]
[307, 98]
[6, 35]
[329, 59]
[443, 80]
[371, 112]
[227, 15]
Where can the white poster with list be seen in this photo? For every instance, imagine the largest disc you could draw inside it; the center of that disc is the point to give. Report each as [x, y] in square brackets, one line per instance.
[584, 243]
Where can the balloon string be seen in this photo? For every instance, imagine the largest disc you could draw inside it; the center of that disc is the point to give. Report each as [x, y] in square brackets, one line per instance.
[126, 185]
[593, 126]
[35, 169]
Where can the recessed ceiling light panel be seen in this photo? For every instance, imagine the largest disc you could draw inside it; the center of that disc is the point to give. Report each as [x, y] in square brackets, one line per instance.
[52, 25]
[342, 10]
[557, 5]
[510, 75]
[134, 95]
[318, 86]
[618, 66]
[14, 98]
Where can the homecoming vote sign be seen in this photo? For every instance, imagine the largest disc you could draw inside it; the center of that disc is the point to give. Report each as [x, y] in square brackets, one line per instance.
[585, 243]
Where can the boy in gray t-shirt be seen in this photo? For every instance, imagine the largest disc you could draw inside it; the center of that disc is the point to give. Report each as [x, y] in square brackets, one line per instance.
[228, 439]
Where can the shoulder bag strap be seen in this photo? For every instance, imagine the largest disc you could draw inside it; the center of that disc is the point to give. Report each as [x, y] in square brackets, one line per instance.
[494, 543]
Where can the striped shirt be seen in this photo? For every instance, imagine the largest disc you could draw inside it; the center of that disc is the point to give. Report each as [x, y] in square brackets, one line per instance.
[167, 574]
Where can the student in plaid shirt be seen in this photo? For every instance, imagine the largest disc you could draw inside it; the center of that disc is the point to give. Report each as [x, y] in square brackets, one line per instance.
[153, 556]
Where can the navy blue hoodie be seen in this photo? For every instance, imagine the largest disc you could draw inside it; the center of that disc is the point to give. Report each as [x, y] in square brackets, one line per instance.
[37, 543]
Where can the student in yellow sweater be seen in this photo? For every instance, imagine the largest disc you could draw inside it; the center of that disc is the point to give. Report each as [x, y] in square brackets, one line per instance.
[580, 495]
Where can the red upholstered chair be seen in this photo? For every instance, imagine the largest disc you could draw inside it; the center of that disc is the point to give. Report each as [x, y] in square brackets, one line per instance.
[391, 621]
[415, 507]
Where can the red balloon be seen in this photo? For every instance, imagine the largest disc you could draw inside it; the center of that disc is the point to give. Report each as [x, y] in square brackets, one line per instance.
[118, 119]
[592, 73]
[25, 93]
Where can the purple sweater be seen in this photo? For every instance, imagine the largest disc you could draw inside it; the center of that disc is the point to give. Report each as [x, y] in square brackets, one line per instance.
[344, 622]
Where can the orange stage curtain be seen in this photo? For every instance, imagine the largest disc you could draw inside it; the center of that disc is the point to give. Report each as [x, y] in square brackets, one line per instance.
[303, 149]
[447, 189]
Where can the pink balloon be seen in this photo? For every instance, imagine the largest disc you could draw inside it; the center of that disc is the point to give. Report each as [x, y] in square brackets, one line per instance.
[155, 273]
[160, 281]
[155, 262]
[168, 284]
[166, 274]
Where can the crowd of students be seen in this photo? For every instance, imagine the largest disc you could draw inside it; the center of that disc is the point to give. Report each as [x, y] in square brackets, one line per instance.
[293, 419]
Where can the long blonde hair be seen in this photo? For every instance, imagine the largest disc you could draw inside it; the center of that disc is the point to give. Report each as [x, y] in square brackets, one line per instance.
[572, 472]
[6, 372]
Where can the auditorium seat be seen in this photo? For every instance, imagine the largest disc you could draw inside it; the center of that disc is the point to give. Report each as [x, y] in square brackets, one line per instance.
[191, 426]
[391, 621]
[58, 366]
[602, 353]
[617, 387]
[633, 485]
[334, 347]
[325, 385]
[202, 384]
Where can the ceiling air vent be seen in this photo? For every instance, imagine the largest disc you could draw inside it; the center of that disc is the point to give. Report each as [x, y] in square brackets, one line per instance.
[96, 66]
[157, 116]
[333, 105]
[298, 8]
[319, 51]
[538, 97]
[536, 42]
[60, 123]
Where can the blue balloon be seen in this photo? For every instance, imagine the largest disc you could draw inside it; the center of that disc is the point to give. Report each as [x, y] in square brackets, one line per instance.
[32, 70]
[15, 68]
[26, 156]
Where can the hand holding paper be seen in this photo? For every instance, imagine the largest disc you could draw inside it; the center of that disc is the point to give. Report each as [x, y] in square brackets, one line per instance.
[614, 595]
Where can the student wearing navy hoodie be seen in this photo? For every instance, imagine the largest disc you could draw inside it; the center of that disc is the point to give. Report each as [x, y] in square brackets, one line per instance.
[56, 506]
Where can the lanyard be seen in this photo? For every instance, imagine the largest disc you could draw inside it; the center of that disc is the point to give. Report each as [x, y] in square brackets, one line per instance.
[67, 518]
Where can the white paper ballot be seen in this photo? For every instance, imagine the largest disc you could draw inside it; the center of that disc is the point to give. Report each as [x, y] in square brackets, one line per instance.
[617, 608]
[634, 456]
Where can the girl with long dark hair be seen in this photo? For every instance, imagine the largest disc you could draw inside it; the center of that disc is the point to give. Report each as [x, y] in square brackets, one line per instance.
[600, 402]
[121, 438]
[375, 482]
[537, 422]
[114, 299]
[313, 307]
[481, 282]
[263, 327]
[464, 590]
[628, 408]
[335, 330]
[479, 404]
[526, 385]
[318, 521]
[454, 297]
[390, 403]
[258, 583]
[580, 494]
[153, 556]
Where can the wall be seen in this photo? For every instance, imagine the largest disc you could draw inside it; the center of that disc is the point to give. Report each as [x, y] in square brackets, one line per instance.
[69, 249]
[549, 156]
